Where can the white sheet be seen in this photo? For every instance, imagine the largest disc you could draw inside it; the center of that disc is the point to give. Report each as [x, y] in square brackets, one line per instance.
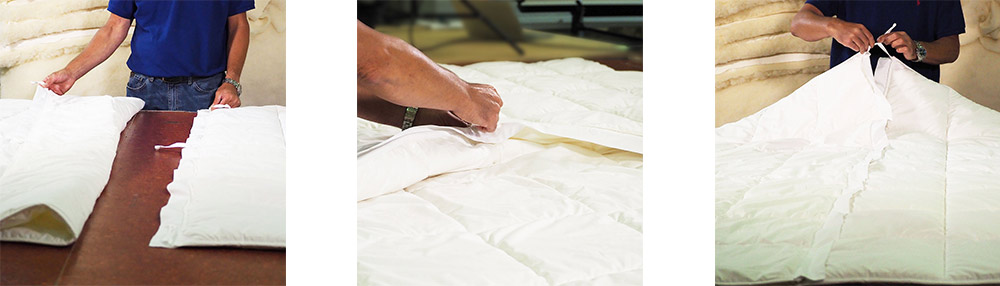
[820, 186]
[538, 209]
[55, 158]
[229, 187]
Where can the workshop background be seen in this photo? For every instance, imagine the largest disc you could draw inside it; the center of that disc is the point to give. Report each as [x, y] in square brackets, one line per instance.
[758, 61]
[457, 32]
[41, 36]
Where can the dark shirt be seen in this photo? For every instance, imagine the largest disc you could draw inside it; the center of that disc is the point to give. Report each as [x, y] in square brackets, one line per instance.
[924, 21]
[179, 38]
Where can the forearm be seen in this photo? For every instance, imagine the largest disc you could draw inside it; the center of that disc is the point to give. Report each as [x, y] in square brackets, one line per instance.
[399, 73]
[105, 42]
[237, 45]
[809, 24]
[373, 108]
[944, 50]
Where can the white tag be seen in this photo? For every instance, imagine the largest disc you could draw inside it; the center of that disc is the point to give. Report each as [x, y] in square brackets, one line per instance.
[880, 45]
[171, 146]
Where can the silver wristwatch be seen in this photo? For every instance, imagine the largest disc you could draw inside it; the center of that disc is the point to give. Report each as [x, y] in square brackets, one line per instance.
[921, 52]
[239, 90]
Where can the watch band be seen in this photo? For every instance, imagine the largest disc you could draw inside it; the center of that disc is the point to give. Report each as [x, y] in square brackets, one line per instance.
[411, 113]
[239, 89]
[921, 51]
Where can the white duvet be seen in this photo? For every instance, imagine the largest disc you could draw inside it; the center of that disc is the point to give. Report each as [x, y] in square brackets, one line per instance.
[229, 187]
[860, 178]
[55, 158]
[558, 203]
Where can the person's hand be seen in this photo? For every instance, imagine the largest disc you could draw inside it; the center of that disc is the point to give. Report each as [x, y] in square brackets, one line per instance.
[902, 42]
[226, 94]
[484, 107]
[854, 36]
[59, 82]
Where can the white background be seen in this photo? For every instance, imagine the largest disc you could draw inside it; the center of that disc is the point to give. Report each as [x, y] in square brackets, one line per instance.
[679, 93]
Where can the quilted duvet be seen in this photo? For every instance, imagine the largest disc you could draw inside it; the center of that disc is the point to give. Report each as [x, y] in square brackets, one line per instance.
[229, 187]
[554, 197]
[55, 158]
[857, 177]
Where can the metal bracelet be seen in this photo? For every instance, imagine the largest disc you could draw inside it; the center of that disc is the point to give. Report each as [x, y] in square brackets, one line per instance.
[411, 112]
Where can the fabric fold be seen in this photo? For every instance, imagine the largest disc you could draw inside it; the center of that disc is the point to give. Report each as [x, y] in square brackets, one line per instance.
[841, 113]
[586, 105]
[55, 159]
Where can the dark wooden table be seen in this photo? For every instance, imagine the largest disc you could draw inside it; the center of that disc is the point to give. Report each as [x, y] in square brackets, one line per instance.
[113, 246]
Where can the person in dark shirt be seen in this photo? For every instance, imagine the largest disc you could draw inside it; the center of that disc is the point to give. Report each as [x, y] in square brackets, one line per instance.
[186, 55]
[926, 32]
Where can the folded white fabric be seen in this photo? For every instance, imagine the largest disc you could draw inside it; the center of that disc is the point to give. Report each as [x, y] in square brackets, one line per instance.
[568, 98]
[229, 187]
[855, 177]
[551, 198]
[55, 158]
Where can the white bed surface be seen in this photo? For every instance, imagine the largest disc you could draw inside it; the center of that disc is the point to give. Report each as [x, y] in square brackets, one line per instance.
[835, 183]
[537, 209]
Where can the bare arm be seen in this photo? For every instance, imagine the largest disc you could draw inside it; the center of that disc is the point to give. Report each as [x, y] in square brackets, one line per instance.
[809, 24]
[236, 45]
[391, 70]
[104, 43]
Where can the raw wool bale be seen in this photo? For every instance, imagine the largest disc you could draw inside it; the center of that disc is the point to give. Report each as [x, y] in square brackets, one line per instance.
[15, 31]
[768, 46]
[737, 102]
[20, 10]
[975, 72]
[982, 23]
[763, 71]
[753, 28]
[34, 58]
[47, 47]
[729, 11]
[263, 77]
[108, 78]
[758, 61]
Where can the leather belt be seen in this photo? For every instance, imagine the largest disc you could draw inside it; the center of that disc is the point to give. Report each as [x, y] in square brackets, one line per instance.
[175, 79]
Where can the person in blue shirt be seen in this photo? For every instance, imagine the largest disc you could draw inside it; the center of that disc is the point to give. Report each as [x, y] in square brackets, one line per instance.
[926, 32]
[186, 55]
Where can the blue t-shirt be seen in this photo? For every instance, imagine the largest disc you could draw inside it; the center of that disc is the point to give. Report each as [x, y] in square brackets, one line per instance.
[179, 38]
[924, 21]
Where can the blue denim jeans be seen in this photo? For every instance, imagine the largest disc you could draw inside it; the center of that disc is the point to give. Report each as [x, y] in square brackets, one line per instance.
[190, 95]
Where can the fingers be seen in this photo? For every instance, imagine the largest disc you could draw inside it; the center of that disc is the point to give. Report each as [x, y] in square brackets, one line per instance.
[854, 36]
[857, 45]
[869, 39]
[485, 109]
[218, 98]
[59, 89]
[901, 42]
